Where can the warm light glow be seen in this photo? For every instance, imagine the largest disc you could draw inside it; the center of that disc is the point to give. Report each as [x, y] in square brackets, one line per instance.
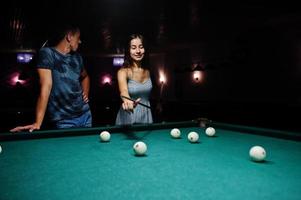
[162, 77]
[14, 79]
[197, 76]
[106, 79]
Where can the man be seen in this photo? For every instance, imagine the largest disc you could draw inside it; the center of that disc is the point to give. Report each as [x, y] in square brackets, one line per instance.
[64, 84]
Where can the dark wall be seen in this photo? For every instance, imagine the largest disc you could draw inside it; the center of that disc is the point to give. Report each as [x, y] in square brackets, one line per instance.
[252, 78]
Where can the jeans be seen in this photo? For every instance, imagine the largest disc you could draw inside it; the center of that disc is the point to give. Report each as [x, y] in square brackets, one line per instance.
[84, 120]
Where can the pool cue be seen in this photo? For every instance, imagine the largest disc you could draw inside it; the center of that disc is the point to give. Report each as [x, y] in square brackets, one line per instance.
[142, 104]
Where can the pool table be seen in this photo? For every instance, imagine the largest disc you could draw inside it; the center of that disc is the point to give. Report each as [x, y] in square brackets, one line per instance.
[75, 164]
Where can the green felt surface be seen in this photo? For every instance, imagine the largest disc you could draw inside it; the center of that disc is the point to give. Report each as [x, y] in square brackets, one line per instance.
[82, 167]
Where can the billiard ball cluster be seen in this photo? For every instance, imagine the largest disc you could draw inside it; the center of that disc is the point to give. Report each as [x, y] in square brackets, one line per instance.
[256, 153]
[193, 137]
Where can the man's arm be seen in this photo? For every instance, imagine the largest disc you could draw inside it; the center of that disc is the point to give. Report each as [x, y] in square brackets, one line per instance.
[85, 82]
[45, 85]
[45, 88]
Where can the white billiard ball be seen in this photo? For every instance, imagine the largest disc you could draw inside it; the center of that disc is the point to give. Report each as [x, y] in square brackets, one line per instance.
[105, 136]
[140, 148]
[193, 137]
[175, 133]
[257, 153]
[0, 149]
[210, 131]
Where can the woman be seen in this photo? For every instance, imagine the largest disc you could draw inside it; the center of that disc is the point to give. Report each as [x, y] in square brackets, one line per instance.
[134, 82]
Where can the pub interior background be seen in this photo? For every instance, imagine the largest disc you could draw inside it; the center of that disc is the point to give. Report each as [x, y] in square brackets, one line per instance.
[229, 61]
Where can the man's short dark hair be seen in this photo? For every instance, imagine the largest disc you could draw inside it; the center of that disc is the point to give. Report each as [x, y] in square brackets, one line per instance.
[61, 31]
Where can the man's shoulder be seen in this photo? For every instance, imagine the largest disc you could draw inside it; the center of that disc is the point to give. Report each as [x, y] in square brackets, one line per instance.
[45, 50]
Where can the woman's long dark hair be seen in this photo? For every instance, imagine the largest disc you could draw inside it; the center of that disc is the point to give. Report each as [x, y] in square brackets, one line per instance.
[128, 61]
